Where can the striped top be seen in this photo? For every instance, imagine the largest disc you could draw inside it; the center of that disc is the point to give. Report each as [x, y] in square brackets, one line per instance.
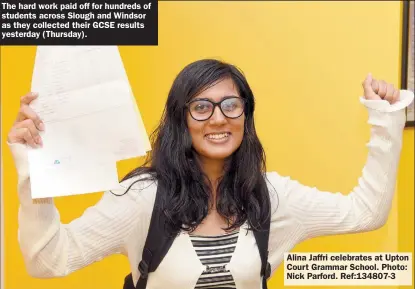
[215, 252]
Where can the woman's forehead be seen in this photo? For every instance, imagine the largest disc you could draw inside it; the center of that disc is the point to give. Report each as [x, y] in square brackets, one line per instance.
[219, 90]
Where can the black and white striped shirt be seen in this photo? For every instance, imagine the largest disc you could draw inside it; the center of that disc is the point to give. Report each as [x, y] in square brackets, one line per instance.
[215, 252]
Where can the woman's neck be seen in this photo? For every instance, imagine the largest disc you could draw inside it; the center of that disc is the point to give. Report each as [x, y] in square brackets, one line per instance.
[213, 169]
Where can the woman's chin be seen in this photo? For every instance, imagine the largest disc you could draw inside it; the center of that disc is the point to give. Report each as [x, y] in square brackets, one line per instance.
[216, 153]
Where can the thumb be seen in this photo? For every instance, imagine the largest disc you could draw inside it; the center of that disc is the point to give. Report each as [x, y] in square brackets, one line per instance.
[367, 87]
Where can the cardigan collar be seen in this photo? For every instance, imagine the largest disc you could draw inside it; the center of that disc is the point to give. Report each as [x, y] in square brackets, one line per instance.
[181, 267]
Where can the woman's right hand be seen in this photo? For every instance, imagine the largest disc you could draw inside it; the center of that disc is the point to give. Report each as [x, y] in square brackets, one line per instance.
[25, 129]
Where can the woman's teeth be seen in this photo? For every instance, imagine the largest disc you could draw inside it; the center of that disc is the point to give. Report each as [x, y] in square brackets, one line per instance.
[217, 135]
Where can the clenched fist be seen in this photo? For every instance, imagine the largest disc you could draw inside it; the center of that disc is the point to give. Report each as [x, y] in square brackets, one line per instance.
[379, 89]
[26, 128]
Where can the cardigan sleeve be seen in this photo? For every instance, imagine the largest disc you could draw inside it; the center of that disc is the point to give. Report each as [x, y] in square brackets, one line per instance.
[318, 213]
[53, 249]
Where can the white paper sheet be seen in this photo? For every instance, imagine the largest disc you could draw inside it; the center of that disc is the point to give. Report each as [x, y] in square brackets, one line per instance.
[91, 120]
[66, 176]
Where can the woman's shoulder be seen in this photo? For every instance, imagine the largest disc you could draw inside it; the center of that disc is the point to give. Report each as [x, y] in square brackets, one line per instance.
[140, 188]
[277, 188]
[275, 181]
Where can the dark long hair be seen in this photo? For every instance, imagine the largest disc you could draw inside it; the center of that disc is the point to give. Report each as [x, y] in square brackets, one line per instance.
[242, 193]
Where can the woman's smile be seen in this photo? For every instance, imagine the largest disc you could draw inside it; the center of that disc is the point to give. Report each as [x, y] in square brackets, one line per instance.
[218, 138]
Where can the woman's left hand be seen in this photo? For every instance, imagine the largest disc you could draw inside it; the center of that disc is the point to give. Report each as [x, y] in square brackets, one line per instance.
[379, 89]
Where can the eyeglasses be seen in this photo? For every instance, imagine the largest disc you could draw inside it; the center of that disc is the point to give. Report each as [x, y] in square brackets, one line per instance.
[202, 109]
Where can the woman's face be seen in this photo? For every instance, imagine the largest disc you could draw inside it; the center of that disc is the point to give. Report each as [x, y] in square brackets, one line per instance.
[219, 136]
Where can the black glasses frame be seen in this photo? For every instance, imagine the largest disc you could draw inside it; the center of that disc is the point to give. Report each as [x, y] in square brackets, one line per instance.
[215, 104]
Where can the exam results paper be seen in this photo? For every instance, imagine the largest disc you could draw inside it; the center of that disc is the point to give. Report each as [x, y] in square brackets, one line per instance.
[91, 120]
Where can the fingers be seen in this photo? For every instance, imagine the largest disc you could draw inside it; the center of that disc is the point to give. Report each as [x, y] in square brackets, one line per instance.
[28, 98]
[27, 136]
[33, 135]
[368, 87]
[34, 132]
[25, 132]
[396, 95]
[375, 86]
[389, 93]
[26, 112]
[23, 135]
[28, 124]
[382, 89]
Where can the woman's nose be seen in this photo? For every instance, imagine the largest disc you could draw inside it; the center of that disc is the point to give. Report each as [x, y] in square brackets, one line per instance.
[217, 116]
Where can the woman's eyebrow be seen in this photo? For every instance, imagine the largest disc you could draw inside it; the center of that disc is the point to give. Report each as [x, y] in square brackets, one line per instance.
[207, 98]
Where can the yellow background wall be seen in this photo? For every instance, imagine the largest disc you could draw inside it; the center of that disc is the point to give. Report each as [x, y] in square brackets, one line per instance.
[305, 62]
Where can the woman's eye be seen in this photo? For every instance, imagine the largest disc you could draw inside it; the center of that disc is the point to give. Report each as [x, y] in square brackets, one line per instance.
[230, 106]
[201, 107]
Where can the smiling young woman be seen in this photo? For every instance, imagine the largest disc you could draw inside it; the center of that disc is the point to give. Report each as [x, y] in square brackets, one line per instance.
[216, 191]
